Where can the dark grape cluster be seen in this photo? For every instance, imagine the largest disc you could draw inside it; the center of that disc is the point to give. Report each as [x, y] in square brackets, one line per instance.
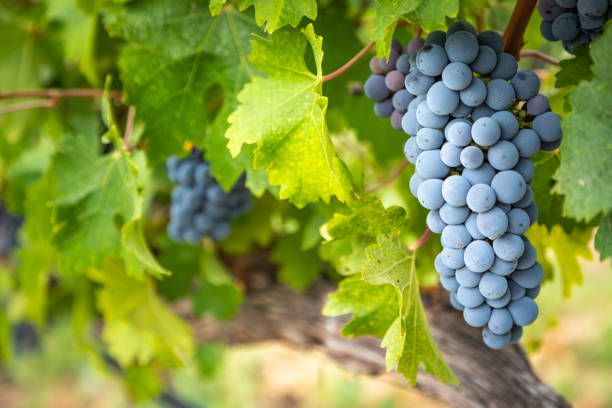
[9, 225]
[475, 121]
[200, 207]
[574, 22]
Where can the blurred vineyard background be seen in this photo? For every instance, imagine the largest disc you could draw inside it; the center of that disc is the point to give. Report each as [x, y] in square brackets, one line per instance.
[570, 347]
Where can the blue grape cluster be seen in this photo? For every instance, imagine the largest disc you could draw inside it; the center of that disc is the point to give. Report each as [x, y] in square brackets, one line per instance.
[200, 207]
[574, 22]
[9, 225]
[386, 84]
[475, 121]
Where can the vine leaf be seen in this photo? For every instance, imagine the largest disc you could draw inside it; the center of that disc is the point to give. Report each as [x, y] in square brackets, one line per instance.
[586, 162]
[574, 70]
[408, 341]
[298, 268]
[603, 238]
[276, 14]
[432, 14]
[388, 14]
[284, 114]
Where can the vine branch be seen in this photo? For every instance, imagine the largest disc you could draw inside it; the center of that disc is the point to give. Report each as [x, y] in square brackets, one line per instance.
[513, 36]
[349, 64]
[60, 93]
[129, 127]
[539, 55]
[391, 178]
[45, 103]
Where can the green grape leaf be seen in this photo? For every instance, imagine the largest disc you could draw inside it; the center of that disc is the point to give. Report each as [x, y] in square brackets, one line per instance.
[374, 307]
[388, 14]
[603, 238]
[215, 6]
[575, 70]
[139, 328]
[586, 162]
[138, 253]
[560, 251]
[432, 14]
[297, 268]
[276, 14]
[142, 382]
[284, 114]
[5, 337]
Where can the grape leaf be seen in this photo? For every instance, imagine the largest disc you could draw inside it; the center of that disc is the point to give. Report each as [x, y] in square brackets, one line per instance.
[142, 382]
[603, 238]
[139, 327]
[374, 307]
[276, 14]
[215, 6]
[432, 14]
[297, 268]
[572, 71]
[284, 113]
[388, 14]
[564, 248]
[586, 162]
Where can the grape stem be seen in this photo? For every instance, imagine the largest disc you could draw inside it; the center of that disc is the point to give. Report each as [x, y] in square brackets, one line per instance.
[539, 55]
[45, 103]
[390, 180]
[421, 240]
[129, 127]
[513, 36]
[53, 97]
[349, 64]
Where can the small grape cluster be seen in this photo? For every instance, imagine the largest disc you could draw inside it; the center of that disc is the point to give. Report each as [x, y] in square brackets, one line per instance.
[475, 122]
[574, 22]
[200, 207]
[9, 225]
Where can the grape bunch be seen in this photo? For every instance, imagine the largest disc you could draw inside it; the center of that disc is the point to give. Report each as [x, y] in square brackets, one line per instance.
[475, 121]
[9, 226]
[200, 206]
[574, 22]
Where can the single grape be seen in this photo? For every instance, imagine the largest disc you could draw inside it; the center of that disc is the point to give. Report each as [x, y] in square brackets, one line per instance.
[415, 182]
[493, 223]
[461, 46]
[482, 175]
[429, 165]
[501, 302]
[548, 126]
[508, 124]
[185, 173]
[509, 186]
[482, 111]
[524, 311]
[486, 132]
[441, 268]
[532, 211]
[491, 39]
[547, 32]
[516, 290]
[450, 155]
[475, 94]
[500, 321]
[401, 100]
[410, 125]
[461, 26]
[533, 292]
[503, 268]
[221, 231]
[529, 257]
[449, 283]
[518, 221]
[566, 27]
[480, 198]
[477, 316]
[452, 257]
[509, 247]
[461, 111]
[485, 61]
[396, 46]
[472, 228]
[549, 9]
[459, 132]
[469, 297]
[500, 94]
[387, 64]
[525, 168]
[455, 189]
[467, 278]
[550, 146]
[375, 88]
[414, 45]
[429, 139]
[471, 157]
[436, 37]
[592, 8]
[429, 194]
[526, 84]
[403, 64]
[431, 60]
[412, 150]
[478, 256]
[383, 109]
[591, 24]
[516, 333]
[203, 223]
[417, 83]
[503, 155]
[396, 119]
[455, 236]
[538, 105]
[455, 303]
[495, 341]
[506, 67]
[427, 118]
[441, 100]
[435, 222]
[457, 76]
[454, 215]
[530, 277]
[375, 66]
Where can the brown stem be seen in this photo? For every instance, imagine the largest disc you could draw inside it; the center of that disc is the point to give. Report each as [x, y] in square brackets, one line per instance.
[391, 178]
[418, 31]
[539, 55]
[349, 64]
[421, 240]
[45, 103]
[60, 93]
[129, 127]
[513, 36]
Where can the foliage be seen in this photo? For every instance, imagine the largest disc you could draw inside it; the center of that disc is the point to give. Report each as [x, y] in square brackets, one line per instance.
[245, 81]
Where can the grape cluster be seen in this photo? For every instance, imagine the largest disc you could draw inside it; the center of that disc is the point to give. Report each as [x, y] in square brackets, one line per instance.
[574, 22]
[475, 122]
[9, 225]
[200, 206]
